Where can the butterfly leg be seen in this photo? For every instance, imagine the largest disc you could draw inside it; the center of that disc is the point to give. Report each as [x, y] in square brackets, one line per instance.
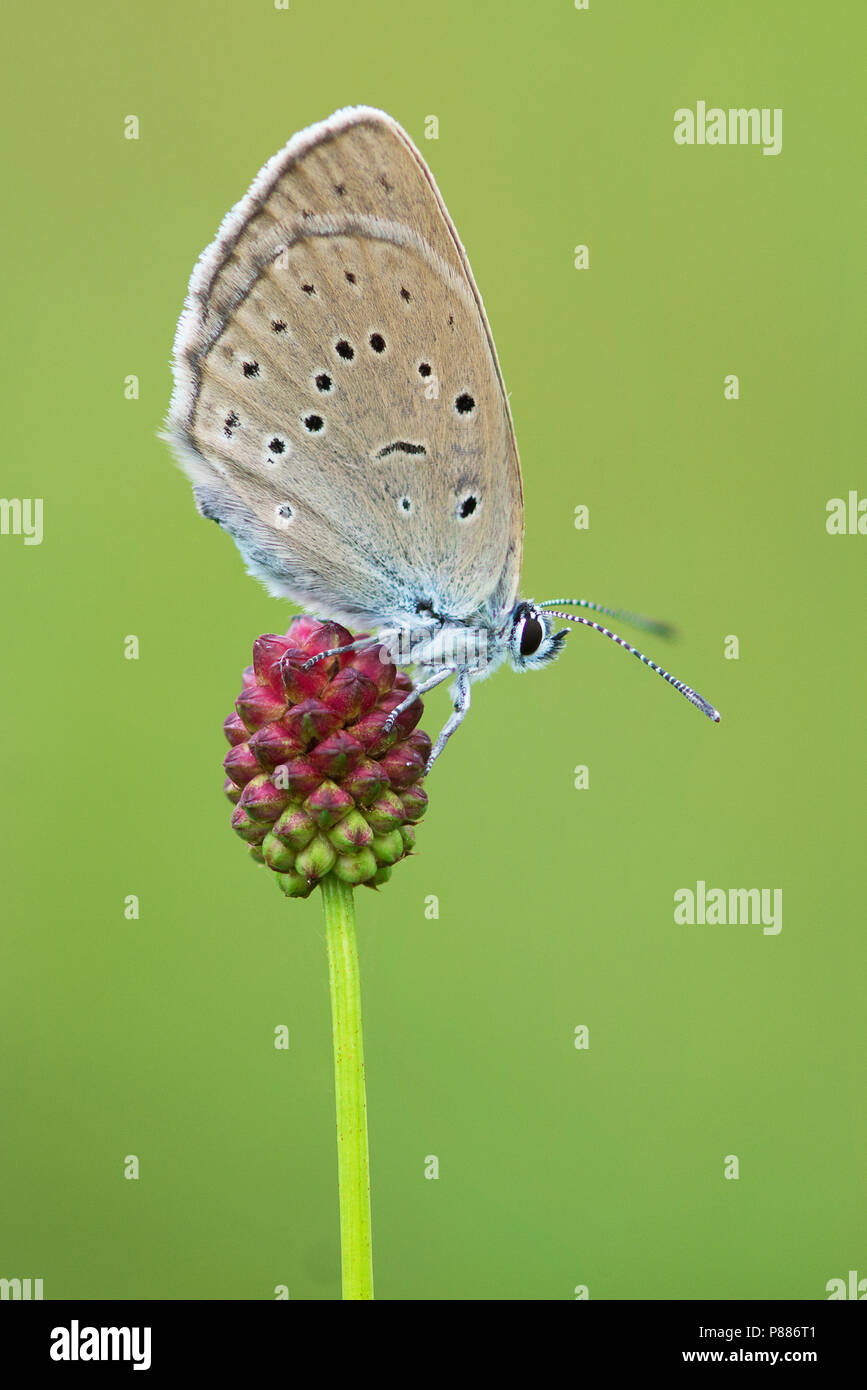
[462, 704]
[414, 695]
[350, 647]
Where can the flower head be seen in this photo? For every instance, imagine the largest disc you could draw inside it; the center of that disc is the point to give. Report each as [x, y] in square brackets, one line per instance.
[318, 784]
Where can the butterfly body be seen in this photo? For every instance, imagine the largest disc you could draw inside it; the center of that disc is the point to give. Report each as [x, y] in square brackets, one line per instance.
[340, 410]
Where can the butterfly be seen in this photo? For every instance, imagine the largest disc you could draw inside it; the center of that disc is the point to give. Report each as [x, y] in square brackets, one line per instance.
[339, 408]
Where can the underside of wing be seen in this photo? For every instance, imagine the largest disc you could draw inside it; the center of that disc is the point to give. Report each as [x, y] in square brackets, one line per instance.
[338, 403]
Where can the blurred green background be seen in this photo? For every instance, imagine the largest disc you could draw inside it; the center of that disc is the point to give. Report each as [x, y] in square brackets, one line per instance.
[154, 1037]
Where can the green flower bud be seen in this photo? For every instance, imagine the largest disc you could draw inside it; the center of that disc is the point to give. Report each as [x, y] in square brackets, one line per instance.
[295, 827]
[382, 875]
[388, 848]
[356, 868]
[279, 857]
[385, 813]
[316, 859]
[351, 834]
[295, 885]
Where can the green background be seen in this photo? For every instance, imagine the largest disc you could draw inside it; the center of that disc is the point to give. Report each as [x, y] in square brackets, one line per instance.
[154, 1037]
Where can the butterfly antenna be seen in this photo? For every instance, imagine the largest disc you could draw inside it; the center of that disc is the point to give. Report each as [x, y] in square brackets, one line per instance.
[686, 690]
[621, 615]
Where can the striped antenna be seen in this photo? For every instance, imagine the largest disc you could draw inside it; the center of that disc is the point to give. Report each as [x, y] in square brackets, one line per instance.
[621, 615]
[686, 690]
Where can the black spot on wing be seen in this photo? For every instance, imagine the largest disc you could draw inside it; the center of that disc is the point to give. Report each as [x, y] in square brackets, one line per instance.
[400, 446]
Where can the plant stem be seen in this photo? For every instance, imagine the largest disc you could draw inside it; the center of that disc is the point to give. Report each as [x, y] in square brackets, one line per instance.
[353, 1164]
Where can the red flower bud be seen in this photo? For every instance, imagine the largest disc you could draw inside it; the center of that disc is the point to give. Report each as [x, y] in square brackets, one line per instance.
[337, 755]
[319, 787]
[324, 638]
[301, 627]
[234, 729]
[273, 744]
[250, 830]
[365, 782]
[258, 705]
[241, 764]
[350, 694]
[370, 732]
[310, 721]
[370, 663]
[408, 718]
[422, 744]
[262, 800]
[298, 684]
[403, 765]
[298, 776]
[328, 804]
[414, 800]
[267, 654]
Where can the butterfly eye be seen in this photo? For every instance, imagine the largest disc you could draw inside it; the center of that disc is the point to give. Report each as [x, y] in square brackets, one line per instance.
[531, 641]
[532, 634]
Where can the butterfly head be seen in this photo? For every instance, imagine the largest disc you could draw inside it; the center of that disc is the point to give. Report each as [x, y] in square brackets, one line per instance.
[531, 638]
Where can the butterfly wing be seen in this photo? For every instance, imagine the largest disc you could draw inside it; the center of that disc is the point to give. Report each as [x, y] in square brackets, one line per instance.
[338, 402]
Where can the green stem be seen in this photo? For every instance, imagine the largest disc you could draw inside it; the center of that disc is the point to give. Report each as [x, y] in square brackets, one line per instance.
[353, 1164]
